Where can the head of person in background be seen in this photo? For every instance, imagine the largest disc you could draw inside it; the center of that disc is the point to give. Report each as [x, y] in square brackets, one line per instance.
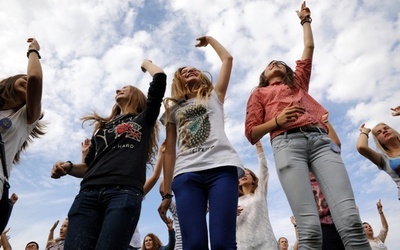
[151, 242]
[383, 135]
[33, 245]
[63, 229]
[283, 243]
[368, 230]
[249, 179]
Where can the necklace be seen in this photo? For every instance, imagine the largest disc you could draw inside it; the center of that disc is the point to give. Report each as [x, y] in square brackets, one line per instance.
[6, 122]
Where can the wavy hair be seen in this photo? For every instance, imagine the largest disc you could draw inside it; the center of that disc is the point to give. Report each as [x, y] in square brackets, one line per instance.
[254, 183]
[180, 90]
[157, 244]
[136, 104]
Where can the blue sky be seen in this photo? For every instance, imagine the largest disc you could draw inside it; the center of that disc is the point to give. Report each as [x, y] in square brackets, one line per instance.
[91, 48]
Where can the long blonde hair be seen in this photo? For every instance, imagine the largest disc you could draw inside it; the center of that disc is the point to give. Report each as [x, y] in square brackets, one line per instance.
[180, 90]
[378, 144]
[135, 105]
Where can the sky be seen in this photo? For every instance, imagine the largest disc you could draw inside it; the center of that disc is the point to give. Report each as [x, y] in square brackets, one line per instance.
[91, 48]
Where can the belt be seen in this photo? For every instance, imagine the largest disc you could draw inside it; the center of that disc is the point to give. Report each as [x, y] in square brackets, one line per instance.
[304, 129]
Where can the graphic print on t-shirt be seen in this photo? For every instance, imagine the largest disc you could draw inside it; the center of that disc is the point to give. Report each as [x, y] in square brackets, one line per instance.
[193, 126]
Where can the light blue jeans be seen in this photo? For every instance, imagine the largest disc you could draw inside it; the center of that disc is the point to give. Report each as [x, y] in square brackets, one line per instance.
[297, 153]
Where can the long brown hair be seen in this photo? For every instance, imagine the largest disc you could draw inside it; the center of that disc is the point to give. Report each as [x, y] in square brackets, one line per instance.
[7, 94]
[180, 90]
[157, 244]
[136, 104]
[288, 79]
[254, 184]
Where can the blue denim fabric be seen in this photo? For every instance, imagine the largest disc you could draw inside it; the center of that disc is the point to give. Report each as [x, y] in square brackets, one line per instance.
[297, 153]
[192, 191]
[103, 218]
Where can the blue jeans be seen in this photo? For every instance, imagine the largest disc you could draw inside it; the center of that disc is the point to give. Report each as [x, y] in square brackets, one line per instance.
[103, 218]
[297, 153]
[218, 187]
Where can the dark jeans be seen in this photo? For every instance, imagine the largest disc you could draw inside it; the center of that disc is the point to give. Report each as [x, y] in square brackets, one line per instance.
[219, 188]
[103, 218]
[330, 238]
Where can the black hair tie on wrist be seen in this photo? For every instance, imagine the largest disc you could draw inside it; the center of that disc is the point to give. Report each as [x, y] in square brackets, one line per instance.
[167, 196]
[35, 51]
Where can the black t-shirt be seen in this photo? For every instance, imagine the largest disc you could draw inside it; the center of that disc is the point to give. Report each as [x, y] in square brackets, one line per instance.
[118, 152]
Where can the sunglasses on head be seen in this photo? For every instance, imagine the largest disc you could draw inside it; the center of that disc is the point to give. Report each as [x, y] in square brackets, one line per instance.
[277, 62]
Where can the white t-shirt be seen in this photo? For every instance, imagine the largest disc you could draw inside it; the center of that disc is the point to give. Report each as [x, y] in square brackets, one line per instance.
[202, 142]
[14, 136]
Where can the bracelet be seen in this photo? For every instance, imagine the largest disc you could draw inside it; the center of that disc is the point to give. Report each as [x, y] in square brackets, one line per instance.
[276, 121]
[71, 165]
[295, 225]
[33, 50]
[307, 19]
[363, 133]
[381, 213]
[167, 196]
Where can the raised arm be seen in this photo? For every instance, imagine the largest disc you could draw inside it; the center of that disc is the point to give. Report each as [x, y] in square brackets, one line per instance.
[34, 82]
[152, 180]
[149, 66]
[383, 218]
[305, 16]
[4, 240]
[364, 149]
[85, 148]
[50, 238]
[225, 72]
[296, 243]
[168, 170]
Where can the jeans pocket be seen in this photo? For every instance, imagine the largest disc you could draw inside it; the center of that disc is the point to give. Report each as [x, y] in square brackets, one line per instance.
[279, 144]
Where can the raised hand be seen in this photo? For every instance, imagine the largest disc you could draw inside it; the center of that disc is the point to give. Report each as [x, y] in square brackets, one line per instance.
[364, 129]
[396, 111]
[202, 41]
[304, 11]
[33, 44]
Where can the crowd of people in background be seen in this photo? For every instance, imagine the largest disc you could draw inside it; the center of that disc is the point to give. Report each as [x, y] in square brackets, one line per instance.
[203, 175]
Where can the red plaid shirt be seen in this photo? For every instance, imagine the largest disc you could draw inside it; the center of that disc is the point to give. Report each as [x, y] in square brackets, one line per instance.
[267, 102]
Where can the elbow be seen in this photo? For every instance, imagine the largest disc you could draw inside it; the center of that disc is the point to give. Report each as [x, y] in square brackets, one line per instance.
[309, 45]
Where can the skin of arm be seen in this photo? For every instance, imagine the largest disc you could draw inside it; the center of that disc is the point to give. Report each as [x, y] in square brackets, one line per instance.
[225, 72]
[50, 238]
[34, 86]
[151, 181]
[4, 240]
[332, 132]
[364, 149]
[296, 243]
[61, 168]
[148, 66]
[307, 32]
[168, 169]
[383, 218]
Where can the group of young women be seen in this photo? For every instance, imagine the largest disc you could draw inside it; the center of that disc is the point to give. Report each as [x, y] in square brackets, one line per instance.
[201, 168]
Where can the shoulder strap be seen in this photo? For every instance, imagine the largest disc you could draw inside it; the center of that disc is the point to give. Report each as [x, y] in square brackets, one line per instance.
[3, 157]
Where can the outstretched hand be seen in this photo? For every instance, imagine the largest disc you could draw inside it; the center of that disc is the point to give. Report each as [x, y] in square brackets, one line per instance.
[396, 111]
[54, 225]
[202, 41]
[304, 11]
